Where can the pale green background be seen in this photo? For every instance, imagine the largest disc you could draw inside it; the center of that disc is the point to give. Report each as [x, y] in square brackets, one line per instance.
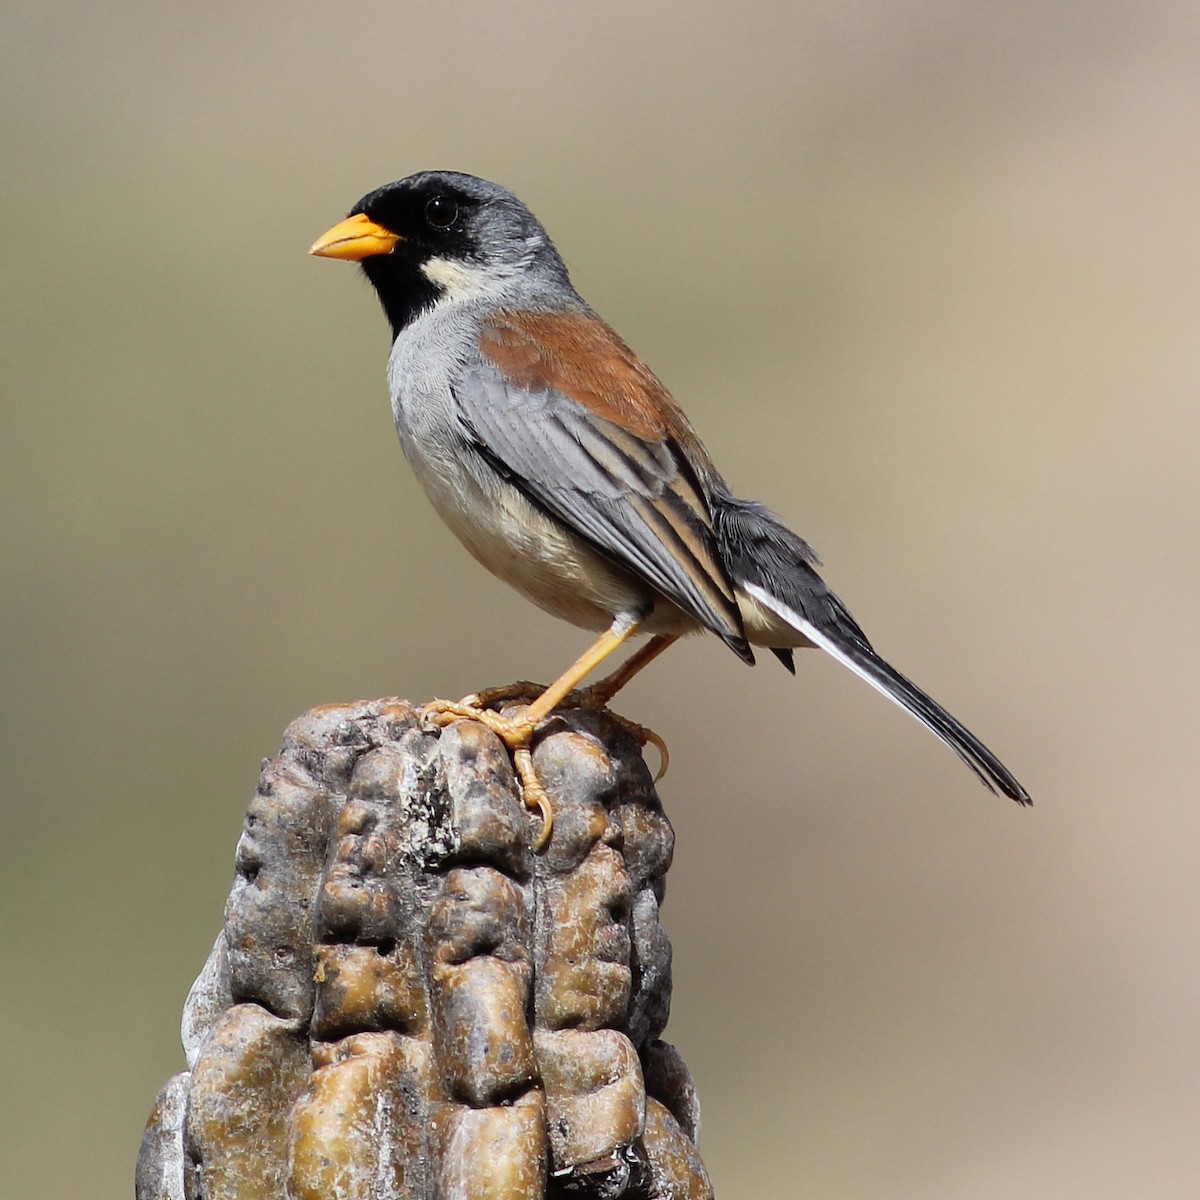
[927, 278]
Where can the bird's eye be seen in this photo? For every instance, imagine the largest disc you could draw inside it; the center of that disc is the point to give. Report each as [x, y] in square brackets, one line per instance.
[441, 212]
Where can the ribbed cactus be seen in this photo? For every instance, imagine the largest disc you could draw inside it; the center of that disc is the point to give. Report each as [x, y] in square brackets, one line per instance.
[406, 1002]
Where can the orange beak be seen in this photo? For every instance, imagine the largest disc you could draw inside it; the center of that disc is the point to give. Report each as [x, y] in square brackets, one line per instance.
[354, 239]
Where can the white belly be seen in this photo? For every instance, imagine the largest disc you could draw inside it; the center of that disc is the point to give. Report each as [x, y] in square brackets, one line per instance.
[558, 571]
[517, 542]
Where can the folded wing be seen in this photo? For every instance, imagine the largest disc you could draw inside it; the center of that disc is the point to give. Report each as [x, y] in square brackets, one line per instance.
[592, 446]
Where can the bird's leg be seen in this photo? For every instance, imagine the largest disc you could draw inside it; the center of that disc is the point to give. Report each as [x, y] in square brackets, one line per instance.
[600, 694]
[516, 732]
[622, 629]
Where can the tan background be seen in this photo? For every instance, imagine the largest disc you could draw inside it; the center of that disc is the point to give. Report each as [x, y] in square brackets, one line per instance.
[926, 276]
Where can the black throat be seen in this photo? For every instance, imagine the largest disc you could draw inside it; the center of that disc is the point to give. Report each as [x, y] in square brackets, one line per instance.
[403, 290]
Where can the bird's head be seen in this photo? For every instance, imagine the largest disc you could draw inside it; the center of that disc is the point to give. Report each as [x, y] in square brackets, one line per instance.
[441, 236]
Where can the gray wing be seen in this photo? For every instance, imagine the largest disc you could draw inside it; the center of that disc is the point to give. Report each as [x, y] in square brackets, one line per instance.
[634, 500]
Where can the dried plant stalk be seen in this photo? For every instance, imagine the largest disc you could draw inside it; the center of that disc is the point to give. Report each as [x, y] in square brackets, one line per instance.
[406, 1002]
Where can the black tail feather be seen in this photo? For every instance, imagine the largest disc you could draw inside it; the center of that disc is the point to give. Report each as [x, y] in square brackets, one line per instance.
[787, 656]
[994, 775]
[777, 567]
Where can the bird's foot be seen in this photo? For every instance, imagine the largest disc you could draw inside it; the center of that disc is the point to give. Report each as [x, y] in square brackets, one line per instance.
[515, 731]
[523, 689]
[597, 698]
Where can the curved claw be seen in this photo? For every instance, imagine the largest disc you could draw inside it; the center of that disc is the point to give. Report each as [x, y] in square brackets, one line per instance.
[664, 755]
[596, 698]
[648, 736]
[534, 796]
[440, 713]
[516, 733]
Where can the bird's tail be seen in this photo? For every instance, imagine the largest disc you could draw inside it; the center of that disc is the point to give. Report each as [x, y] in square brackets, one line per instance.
[776, 568]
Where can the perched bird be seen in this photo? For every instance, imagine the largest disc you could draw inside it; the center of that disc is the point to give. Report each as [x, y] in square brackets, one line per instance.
[565, 467]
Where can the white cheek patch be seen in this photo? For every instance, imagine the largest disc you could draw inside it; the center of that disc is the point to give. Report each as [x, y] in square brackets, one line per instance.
[459, 280]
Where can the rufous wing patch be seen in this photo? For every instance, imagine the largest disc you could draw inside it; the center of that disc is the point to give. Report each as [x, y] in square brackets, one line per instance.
[582, 357]
[579, 356]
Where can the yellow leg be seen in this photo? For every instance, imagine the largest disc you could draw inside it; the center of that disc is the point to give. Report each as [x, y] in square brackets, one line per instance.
[583, 666]
[600, 694]
[517, 732]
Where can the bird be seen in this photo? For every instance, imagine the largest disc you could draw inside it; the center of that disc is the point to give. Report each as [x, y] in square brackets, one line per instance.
[568, 470]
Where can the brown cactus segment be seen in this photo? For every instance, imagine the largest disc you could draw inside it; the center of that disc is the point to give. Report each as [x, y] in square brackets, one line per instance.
[406, 1002]
[358, 1128]
[251, 1068]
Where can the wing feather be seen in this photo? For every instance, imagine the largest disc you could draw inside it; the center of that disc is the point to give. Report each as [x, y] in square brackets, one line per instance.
[631, 487]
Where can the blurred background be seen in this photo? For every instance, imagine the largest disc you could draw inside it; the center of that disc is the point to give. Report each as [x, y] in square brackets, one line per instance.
[926, 277]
